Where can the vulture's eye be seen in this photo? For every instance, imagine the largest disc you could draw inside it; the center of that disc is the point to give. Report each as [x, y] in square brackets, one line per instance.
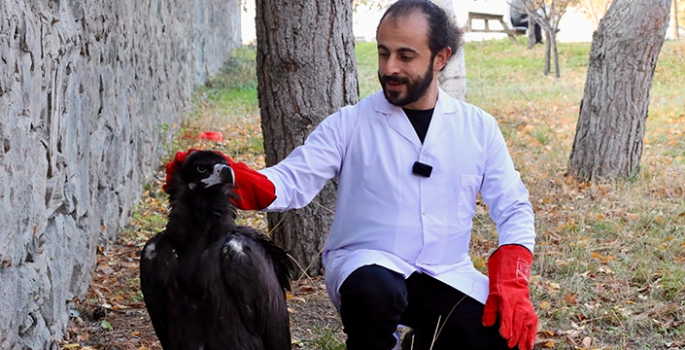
[201, 169]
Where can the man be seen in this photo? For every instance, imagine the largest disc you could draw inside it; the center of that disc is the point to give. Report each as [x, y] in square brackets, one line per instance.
[519, 18]
[410, 162]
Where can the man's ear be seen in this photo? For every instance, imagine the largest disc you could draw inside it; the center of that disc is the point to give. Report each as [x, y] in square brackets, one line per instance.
[441, 59]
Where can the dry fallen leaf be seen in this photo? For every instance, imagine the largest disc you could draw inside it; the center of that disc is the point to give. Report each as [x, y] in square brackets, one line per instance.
[545, 344]
[307, 289]
[632, 216]
[290, 296]
[570, 299]
[547, 333]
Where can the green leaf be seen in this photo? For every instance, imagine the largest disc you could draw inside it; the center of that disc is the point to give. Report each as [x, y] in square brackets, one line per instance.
[106, 325]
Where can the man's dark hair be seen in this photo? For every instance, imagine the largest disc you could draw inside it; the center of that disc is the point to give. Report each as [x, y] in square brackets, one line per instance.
[442, 32]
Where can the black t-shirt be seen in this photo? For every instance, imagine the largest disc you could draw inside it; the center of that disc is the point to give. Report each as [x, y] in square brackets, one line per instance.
[420, 120]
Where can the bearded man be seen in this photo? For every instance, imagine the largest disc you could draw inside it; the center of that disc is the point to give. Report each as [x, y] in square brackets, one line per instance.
[410, 161]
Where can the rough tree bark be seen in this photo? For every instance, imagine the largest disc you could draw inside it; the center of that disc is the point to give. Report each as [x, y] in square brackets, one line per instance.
[613, 112]
[453, 78]
[306, 70]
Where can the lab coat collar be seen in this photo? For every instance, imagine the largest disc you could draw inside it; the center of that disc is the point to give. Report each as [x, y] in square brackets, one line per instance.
[444, 108]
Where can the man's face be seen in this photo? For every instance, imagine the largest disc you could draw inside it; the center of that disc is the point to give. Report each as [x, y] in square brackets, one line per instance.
[405, 64]
[402, 91]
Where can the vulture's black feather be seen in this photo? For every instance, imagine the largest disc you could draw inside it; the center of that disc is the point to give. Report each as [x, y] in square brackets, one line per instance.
[208, 283]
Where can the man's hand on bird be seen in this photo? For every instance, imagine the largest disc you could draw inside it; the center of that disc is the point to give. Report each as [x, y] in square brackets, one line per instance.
[509, 299]
[255, 190]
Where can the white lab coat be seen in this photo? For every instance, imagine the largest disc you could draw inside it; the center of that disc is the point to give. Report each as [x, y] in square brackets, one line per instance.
[387, 216]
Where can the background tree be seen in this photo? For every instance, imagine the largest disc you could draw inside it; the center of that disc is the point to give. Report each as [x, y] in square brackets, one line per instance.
[548, 14]
[613, 112]
[453, 77]
[594, 9]
[674, 21]
[306, 70]
[530, 31]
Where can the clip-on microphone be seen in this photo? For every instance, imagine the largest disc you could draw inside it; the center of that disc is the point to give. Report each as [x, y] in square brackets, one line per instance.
[421, 169]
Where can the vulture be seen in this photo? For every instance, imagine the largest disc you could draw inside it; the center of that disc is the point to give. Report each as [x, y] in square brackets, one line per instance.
[208, 283]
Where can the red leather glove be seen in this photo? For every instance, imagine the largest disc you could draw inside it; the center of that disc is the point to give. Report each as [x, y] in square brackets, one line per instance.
[255, 190]
[509, 274]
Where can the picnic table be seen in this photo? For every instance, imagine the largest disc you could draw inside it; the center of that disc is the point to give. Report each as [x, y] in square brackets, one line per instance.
[486, 18]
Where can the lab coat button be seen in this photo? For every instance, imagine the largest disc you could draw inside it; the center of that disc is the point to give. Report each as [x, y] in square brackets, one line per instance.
[424, 213]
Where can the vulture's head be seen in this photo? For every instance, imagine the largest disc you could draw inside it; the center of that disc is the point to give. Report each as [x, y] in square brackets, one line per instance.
[199, 175]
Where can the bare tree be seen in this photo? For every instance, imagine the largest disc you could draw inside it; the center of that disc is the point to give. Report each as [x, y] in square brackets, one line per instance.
[594, 9]
[306, 70]
[548, 13]
[613, 112]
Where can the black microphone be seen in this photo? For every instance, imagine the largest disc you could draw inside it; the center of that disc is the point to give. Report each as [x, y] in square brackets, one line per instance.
[421, 169]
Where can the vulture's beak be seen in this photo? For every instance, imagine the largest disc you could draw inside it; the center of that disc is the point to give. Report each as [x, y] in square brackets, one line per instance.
[222, 174]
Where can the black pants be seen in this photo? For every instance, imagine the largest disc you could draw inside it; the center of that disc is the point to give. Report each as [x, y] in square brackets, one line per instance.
[522, 21]
[374, 300]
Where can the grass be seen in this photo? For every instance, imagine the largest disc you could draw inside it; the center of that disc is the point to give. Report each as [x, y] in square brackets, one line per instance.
[609, 258]
[327, 340]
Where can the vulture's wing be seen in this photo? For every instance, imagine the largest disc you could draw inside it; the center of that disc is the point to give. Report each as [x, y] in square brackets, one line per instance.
[152, 286]
[282, 263]
[252, 278]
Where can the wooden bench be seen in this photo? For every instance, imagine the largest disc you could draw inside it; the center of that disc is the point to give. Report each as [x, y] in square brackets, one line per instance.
[486, 18]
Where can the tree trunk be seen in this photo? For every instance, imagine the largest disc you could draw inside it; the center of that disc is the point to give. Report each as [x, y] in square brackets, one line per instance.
[306, 70]
[548, 48]
[453, 77]
[674, 20]
[555, 51]
[613, 112]
[531, 29]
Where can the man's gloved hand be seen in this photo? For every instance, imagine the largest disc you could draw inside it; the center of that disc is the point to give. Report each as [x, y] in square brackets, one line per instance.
[509, 274]
[255, 190]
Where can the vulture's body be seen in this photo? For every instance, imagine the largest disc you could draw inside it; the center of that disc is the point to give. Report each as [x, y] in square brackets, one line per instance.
[209, 284]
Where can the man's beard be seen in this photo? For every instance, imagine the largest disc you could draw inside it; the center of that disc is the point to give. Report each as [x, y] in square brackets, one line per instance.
[415, 89]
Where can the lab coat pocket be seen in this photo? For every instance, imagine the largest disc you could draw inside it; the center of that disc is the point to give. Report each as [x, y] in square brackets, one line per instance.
[469, 185]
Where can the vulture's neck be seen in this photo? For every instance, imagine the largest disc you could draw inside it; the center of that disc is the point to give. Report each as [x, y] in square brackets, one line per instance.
[200, 220]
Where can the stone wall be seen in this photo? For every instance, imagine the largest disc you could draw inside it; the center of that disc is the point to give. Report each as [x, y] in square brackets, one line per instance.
[89, 91]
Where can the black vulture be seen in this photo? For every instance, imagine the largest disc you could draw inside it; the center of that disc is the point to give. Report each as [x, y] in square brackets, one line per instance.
[208, 283]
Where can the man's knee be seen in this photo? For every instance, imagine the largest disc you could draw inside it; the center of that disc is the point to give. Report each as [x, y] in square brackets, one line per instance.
[375, 289]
